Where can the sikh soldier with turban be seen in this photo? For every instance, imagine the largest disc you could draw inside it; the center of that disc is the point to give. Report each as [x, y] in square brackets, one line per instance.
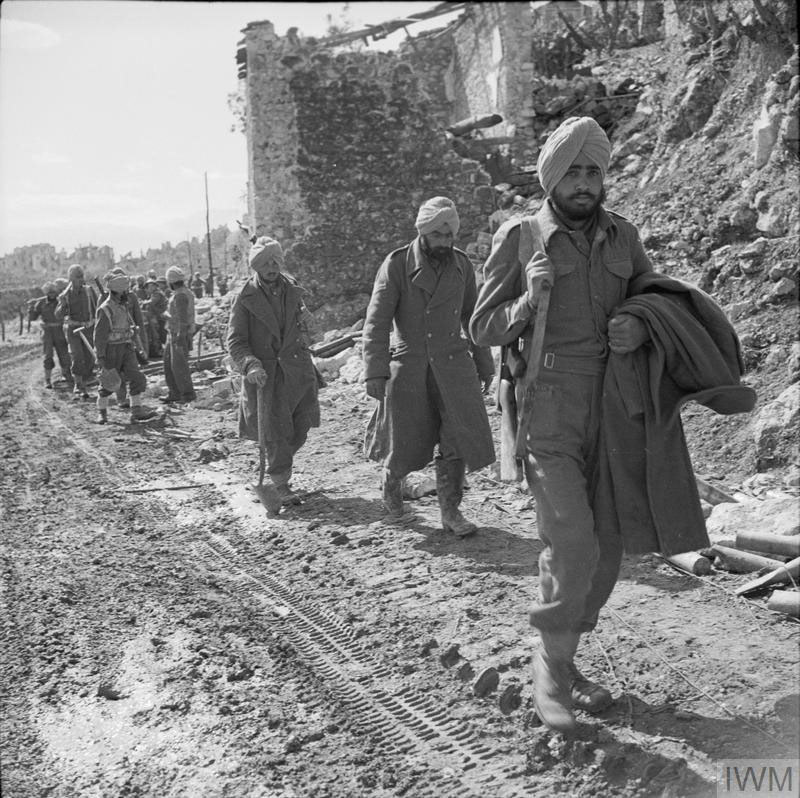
[76, 306]
[180, 330]
[607, 475]
[53, 339]
[268, 341]
[427, 380]
[116, 353]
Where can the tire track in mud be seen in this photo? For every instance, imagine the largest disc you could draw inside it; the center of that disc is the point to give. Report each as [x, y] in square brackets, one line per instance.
[401, 721]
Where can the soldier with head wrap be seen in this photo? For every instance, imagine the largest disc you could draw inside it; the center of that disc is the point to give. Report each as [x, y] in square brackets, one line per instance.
[427, 379]
[180, 331]
[115, 349]
[53, 339]
[268, 339]
[592, 448]
[76, 306]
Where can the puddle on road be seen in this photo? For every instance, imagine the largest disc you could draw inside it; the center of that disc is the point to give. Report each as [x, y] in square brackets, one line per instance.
[97, 741]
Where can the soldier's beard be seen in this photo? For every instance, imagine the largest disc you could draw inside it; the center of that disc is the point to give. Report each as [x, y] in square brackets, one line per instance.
[440, 254]
[574, 212]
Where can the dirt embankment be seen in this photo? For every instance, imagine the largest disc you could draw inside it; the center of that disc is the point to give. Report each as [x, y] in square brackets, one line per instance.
[165, 640]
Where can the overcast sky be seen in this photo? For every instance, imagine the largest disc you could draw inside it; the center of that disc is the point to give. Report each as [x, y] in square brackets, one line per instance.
[112, 110]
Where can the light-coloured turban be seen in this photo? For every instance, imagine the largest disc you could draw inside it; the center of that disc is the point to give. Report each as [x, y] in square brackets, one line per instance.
[175, 275]
[75, 271]
[578, 135]
[118, 283]
[436, 212]
[264, 250]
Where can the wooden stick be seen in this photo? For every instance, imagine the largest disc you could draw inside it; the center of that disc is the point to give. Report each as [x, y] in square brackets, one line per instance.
[712, 494]
[533, 362]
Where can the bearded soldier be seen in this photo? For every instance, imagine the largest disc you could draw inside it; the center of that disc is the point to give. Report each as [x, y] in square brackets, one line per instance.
[427, 382]
[623, 347]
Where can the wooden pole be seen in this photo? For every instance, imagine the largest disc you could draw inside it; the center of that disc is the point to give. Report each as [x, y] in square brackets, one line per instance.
[208, 235]
[191, 263]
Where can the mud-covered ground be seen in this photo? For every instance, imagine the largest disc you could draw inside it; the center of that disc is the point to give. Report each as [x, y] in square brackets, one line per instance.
[177, 642]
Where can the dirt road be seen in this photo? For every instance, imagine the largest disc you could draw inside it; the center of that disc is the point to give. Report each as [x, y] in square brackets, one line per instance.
[176, 642]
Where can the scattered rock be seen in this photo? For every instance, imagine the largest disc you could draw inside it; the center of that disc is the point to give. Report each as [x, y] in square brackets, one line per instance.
[450, 656]
[109, 693]
[486, 682]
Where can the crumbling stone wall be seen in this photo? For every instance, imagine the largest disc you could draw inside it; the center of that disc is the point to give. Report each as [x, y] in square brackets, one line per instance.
[342, 149]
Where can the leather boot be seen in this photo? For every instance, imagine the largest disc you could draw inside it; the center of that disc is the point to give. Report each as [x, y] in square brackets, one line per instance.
[47, 379]
[551, 680]
[284, 490]
[449, 490]
[392, 494]
[586, 694]
[102, 410]
[138, 412]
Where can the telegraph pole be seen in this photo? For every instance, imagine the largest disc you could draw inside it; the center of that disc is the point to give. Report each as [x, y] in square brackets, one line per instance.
[208, 238]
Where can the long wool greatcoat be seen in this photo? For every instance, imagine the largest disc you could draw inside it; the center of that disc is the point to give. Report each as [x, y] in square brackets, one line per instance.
[255, 334]
[646, 479]
[428, 316]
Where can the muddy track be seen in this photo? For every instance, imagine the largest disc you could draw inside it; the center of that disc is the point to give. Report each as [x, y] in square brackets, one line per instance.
[162, 638]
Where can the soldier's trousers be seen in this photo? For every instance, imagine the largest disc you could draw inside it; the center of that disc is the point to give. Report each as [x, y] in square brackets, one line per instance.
[81, 361]
[54, 341]
[580, 562]
[176, 370]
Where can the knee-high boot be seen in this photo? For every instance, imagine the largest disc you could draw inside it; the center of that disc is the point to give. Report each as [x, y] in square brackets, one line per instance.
[552, 682]
[392, 494]
[450, 490]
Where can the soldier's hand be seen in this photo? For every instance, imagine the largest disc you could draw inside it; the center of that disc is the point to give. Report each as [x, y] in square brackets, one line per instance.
[376, 388]
[626, 333]
[257, 376]
[538, 272]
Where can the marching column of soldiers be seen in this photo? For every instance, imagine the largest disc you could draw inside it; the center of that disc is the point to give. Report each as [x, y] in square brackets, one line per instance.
[597, 354]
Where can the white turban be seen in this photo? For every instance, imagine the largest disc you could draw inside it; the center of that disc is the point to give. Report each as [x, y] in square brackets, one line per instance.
[434, 213]
[264, 250]
[116, 282]
[175, 275]
[578, 135]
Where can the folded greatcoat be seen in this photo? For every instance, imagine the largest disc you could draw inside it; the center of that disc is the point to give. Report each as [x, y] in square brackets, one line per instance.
[646, 479]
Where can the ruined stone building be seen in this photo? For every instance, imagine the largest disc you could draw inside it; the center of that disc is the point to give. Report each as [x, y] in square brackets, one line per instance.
[344, 144]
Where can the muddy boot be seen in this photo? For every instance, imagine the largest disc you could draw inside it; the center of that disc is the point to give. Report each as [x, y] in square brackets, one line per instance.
[586, 694]
[102, 410]
[122, 397]
[392, 495]
[138, 411]
[449, 490]
[288, 496]
[551, 680]
[48, 383]
[78, 389]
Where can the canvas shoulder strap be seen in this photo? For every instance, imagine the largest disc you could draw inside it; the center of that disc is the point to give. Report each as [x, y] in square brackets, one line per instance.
[530, 239]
